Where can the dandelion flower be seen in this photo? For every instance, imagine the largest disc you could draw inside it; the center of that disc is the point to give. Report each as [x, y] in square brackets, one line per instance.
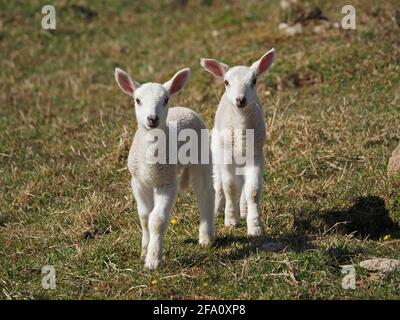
[387, 237]
[154, 282]
[173, 221]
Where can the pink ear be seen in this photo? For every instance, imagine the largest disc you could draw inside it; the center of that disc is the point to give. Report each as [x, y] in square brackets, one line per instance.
[265, 62]
[124, 81]
[214, 67]
[178, 81]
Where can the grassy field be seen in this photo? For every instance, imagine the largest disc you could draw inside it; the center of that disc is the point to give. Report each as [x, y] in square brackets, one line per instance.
[332, 108]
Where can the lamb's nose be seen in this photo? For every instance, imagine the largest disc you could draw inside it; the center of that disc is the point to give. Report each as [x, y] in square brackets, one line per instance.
[153, 121]
[241, 102]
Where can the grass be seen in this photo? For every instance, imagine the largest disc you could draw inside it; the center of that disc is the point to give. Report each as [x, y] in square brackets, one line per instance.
[331, 103]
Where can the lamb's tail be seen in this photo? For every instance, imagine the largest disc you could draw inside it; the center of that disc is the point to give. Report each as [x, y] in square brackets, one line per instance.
[184, 181]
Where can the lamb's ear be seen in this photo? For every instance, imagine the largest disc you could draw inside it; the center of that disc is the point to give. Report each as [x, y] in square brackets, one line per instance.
[125, 82]
[178, 81]
[263, 64]
[214, 67]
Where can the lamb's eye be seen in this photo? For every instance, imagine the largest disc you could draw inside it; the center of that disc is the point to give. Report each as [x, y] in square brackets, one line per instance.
[253, 83]
[138, 101]
[226, 83]
[166, 101]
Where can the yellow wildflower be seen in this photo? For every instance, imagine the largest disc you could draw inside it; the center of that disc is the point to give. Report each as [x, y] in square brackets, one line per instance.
[154, 282]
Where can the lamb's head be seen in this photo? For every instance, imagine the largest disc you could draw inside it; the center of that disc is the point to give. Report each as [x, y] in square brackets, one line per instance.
[151, 99]
[240, 81]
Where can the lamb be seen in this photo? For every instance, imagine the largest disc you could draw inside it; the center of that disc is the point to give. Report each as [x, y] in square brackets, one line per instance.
[155, 184]
[239, 111]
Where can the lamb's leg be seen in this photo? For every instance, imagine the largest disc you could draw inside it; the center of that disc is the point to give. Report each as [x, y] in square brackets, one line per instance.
[144, 201]
[243, 204]
[219, 193]
[203, 188]
[217, 180]
[164, 200]
[252, 189]
[231, 185]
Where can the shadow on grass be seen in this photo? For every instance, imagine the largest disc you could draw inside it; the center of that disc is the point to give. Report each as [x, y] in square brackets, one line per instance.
[241, 246]
[288, 242]
[249, 245]
[7, 218]
[367, 218]
[224, 241]
[342, 255]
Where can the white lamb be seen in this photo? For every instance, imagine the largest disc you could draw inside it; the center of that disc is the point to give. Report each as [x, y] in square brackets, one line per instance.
[155, 185]
[239, 108]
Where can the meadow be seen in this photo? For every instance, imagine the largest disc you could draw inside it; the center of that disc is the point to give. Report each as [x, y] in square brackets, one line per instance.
[331, 104]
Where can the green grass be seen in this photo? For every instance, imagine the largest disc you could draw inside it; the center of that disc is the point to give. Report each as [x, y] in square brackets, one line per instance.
[331, 104]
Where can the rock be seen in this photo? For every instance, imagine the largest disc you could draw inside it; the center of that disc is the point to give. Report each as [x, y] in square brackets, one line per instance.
[300, 17]
[319, 29]
[286, 4]
[273, 246]
[291, 30]
[215, 33]
[282, 26]
[381, 265]
[394, 162]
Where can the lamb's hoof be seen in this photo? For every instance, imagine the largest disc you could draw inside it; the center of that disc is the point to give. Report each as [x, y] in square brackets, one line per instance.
[206, 241]
[152, 264]
[231, 223]
[256, 232]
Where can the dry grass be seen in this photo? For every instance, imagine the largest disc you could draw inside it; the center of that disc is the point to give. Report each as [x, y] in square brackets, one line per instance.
[331, 103]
